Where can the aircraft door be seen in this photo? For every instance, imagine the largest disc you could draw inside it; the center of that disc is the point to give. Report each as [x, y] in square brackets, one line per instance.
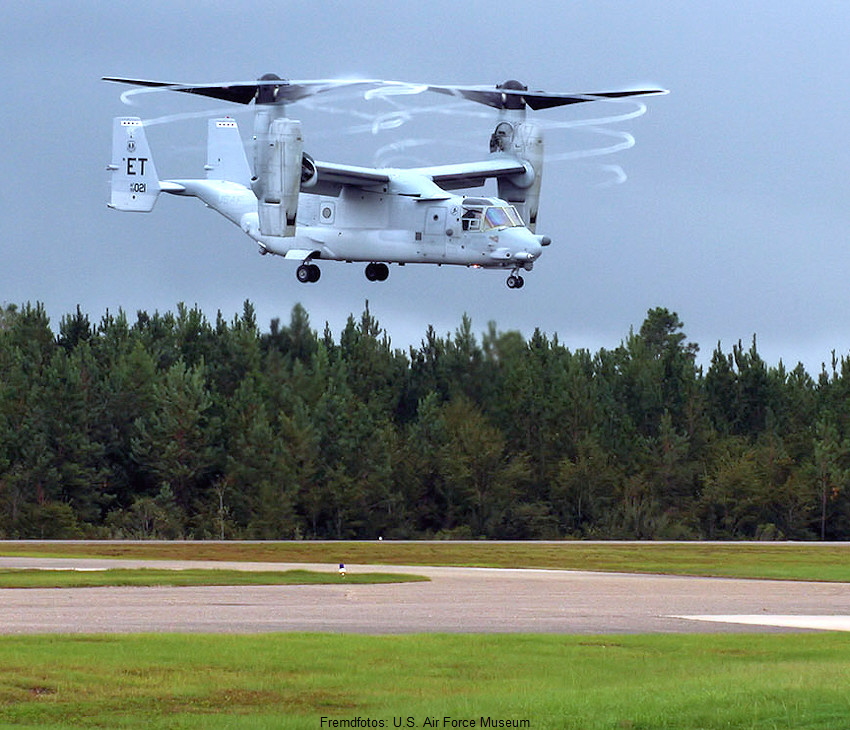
[435, 222]
[434, 240]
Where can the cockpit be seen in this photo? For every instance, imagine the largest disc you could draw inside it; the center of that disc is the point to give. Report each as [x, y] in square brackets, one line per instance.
[486, 214]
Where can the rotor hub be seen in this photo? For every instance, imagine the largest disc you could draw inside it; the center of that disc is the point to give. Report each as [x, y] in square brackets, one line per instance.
[512, 101]
[267, 93]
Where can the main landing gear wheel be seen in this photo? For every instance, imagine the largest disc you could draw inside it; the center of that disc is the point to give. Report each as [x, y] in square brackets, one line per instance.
[308, 273]
[515, 282]
[377, 272]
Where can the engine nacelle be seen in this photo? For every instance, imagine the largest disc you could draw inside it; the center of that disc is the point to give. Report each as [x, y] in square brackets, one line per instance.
[278, 164]
[523, 140]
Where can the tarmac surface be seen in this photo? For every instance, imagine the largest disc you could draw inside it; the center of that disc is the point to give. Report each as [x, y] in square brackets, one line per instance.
[455, 600]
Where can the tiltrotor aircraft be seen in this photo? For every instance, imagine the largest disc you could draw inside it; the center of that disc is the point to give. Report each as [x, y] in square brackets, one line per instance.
[302, 209]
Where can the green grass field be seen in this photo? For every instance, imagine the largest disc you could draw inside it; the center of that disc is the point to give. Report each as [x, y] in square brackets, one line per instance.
[24, 578]
[658, 682]
[679, 682]
[798, 561]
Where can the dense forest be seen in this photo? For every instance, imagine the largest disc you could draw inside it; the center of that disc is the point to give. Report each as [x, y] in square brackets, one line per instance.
[173, 426]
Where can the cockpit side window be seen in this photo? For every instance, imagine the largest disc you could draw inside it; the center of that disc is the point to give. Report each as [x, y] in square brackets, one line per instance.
[513, 214]
[471, 220]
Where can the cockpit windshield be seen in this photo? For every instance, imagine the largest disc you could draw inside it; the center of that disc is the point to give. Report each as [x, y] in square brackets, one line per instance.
[501, 218]
[489, 217]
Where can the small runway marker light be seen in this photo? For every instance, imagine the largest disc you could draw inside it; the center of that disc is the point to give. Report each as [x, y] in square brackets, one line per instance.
[342, 570]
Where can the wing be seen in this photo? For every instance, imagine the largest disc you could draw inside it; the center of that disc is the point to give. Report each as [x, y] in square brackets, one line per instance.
[473, 174]
[332, 177]
[332, 173]
[425, 183]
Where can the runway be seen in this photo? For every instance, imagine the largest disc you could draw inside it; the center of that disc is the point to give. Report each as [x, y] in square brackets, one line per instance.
[455, 600]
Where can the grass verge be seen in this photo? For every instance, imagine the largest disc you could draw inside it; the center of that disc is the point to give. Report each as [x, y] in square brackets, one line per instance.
[790, 561]
[24, 578]
[774, 681]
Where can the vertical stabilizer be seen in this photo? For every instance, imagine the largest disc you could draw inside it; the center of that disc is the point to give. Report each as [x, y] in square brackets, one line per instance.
[134, 185]
[226, 158]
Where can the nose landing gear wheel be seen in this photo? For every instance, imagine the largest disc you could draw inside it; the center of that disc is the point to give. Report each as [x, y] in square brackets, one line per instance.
[308, 273]
[515, 282]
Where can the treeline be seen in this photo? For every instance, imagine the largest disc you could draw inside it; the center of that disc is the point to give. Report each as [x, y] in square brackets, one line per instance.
[173, 426]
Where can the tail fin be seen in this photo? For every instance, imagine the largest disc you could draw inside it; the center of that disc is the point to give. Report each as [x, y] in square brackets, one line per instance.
[135, 185]
[226, 158]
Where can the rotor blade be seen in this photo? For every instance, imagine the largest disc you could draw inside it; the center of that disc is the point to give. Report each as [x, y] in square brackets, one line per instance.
[271, 89]
[519, 98]
[238, 93]
[265, 90]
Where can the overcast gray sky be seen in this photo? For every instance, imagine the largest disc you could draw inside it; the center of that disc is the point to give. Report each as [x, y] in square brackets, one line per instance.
[733, 213]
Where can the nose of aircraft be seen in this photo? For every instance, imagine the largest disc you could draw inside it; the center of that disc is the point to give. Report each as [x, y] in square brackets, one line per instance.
[526, 246]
